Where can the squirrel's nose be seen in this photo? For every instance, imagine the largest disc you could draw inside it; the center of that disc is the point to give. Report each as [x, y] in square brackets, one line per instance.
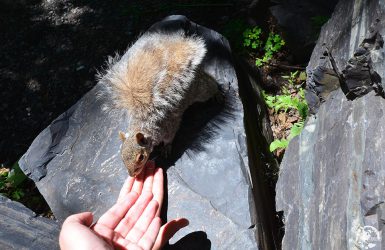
[131, 172]
[138, 171]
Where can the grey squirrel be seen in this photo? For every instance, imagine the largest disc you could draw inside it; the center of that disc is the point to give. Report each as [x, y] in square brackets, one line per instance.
[156, 79]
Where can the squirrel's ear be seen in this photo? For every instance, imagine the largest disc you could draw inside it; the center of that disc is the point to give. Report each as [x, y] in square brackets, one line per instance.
[140, 139]
[122, 136]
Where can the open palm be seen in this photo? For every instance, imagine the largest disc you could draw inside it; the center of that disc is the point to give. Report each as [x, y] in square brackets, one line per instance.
[132, 223]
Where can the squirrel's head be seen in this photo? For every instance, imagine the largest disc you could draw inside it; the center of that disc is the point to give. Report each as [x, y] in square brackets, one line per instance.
[135, 151]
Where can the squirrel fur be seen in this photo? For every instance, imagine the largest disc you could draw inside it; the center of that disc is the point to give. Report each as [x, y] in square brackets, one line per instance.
[156, 79]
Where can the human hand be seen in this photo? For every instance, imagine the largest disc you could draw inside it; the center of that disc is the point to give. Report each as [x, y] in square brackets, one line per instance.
[152, 180]
[132, 223]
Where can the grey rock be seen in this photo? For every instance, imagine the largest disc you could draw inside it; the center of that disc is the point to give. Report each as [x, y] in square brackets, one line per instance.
[20, 228]
[76, 162]
[321, 81]
[331, 181]
[357, 78]
[298, 19]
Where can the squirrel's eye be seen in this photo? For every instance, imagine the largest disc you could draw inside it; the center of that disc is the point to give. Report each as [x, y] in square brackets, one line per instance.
[140, 158]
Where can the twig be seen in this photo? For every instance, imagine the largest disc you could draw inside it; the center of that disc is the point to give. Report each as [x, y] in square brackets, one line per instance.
[282, 66]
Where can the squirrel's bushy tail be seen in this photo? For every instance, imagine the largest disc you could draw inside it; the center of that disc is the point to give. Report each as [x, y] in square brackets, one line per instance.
[154, 73]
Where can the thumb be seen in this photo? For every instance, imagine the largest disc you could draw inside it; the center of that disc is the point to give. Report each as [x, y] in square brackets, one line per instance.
[84, 218]
[168, 230]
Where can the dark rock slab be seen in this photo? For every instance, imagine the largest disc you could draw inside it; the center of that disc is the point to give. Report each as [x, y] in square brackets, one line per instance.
[76, 164]
[357, 78]
[320, 83]
[331, 182]
[20, 228]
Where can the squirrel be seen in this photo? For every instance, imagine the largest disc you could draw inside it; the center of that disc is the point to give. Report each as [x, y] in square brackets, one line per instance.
[156, 80]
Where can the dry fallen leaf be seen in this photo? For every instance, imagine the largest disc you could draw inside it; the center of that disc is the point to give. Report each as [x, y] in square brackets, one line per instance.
[3, 171]
[282, 117]
[293, 119]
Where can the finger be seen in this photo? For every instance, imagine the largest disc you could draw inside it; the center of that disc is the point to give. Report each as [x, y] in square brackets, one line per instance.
[148, 239]
[138, 182]
[126, 188]
[115, 214]
[149, 176]
[158, 188]
[168, 230]
[84, 218]
[143, 223]
[133, 214]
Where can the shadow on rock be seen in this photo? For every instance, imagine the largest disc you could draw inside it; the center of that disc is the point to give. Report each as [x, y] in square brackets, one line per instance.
[200, 124]
[193, 241]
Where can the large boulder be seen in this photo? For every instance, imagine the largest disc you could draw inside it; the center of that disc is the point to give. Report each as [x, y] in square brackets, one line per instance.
[332, 177]
[20, 228]
[76, 163]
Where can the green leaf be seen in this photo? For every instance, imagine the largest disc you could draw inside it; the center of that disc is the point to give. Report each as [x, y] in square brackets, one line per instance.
[303, 110]
[270, 101]
[302, 76]
[278, 144]
[294, 74]
[295, 130]
[16, 176]
[17, 195]
[258, 62]
[266, 58]
[251, 38]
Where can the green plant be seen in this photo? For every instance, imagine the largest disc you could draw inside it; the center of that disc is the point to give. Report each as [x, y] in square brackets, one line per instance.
[292, 77]
[3, 176]
[11, 182]
[283, 143]
[273, 44]
[252, 38]
[276, 144]
[285, 102]
[282, 103]
[291, 82]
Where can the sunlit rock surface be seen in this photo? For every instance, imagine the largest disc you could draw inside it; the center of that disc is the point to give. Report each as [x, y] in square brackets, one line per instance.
[331, 182]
